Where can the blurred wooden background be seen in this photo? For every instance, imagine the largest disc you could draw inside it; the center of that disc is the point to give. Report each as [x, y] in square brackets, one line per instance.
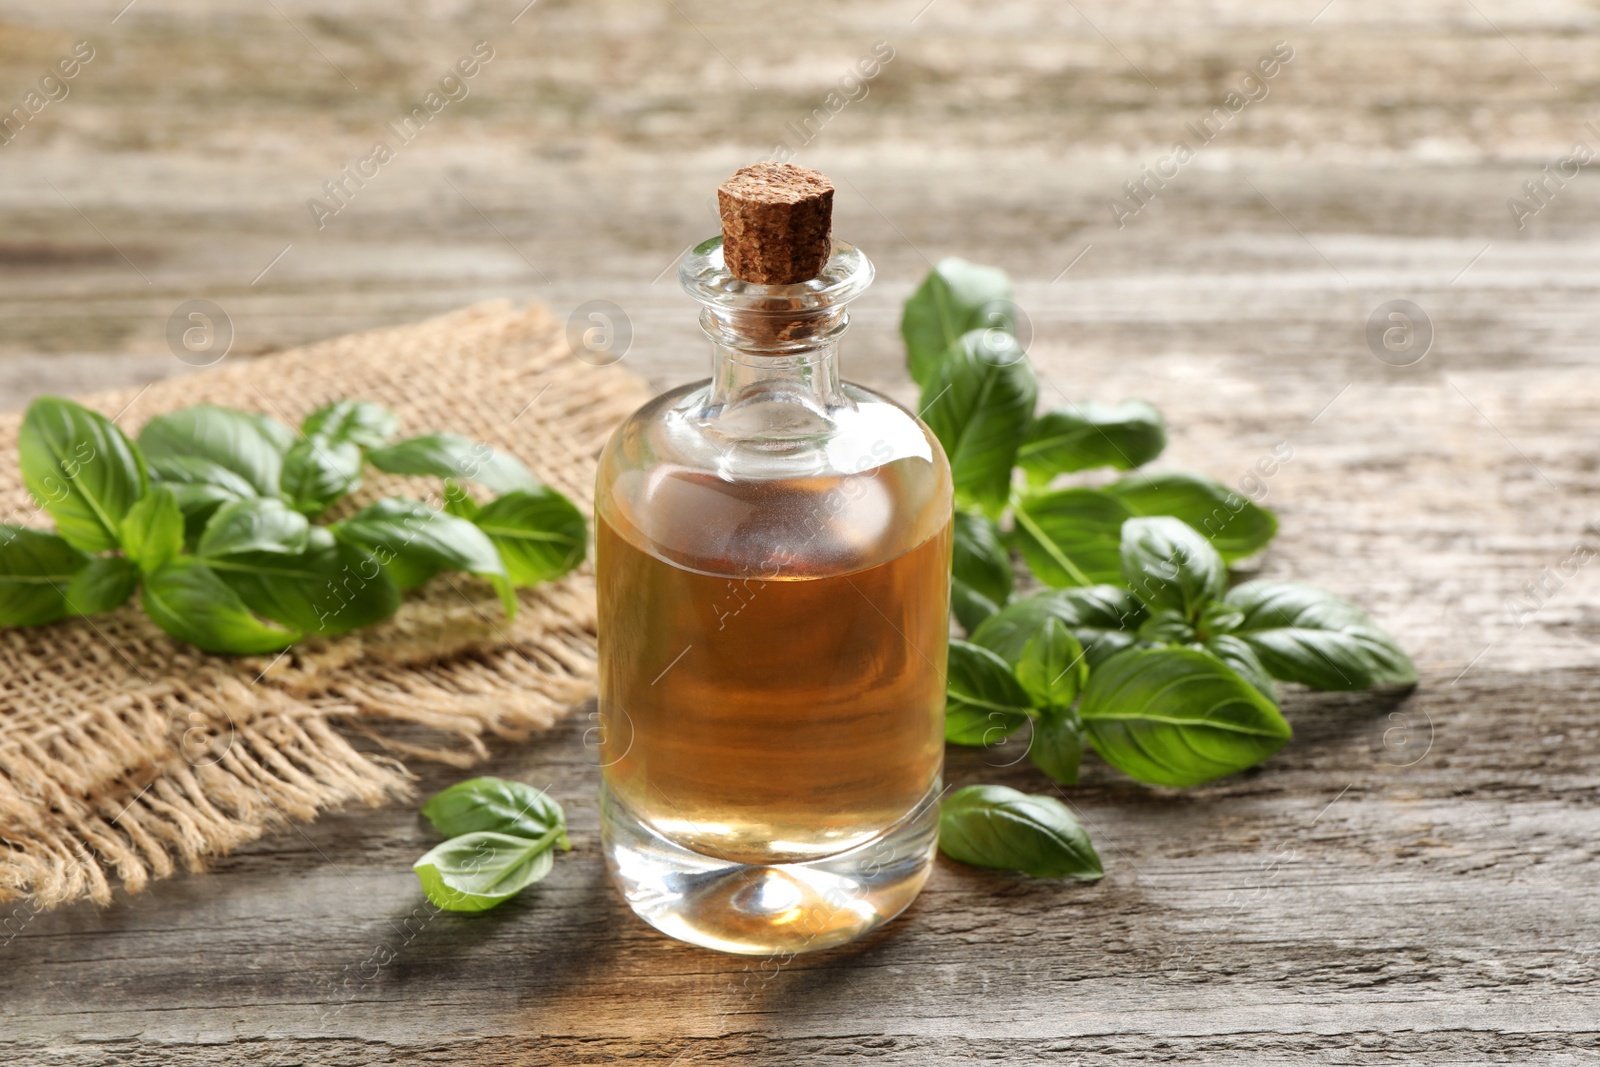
[1413, 879]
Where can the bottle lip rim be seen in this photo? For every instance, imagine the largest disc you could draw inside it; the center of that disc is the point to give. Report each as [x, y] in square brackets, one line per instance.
[705, 276]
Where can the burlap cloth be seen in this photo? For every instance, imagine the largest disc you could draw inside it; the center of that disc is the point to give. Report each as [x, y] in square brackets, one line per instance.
[124, 752]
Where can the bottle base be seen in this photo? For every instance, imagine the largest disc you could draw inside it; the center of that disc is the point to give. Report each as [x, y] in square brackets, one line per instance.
[757, 910]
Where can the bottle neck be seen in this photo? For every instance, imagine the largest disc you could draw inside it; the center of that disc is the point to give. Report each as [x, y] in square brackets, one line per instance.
[775, 371]
[769, 361]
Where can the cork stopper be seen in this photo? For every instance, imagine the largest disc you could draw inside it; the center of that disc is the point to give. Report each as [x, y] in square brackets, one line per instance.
[777, 223]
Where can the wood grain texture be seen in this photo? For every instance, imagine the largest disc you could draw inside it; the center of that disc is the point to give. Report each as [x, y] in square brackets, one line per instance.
[1414, 878]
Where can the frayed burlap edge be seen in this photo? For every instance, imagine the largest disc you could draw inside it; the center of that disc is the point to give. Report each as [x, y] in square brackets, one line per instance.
[163, 757]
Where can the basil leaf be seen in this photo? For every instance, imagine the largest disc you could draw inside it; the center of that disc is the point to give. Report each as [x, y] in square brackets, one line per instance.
[984, 702]
[449, 455]
[1177, 717]
[358, 421]
[279, 436]
[993, 826]
[1167, 627]
[1309, 635]
[200, 486]
[36, 570]
[458, 502]
[331, 588]
[410, 571]
[474, 872]
[152, 531]
[954, 298]
[1219, 617]
[104, 585]
[1104, 619]
[1238, 654]
[968, 606]
[259, 524]
[497, 805]
[318, 471]
[81, 469]
[540, 534]
[978, 404]
[1071, 536]
[407, 530]
[187, 600]
[181, 472]
[1169, 565]
[1052, 668]
[967, 724]
[1088, 435]
[1235, 526]
[980, 570]
[1056, 747]
[233, 440]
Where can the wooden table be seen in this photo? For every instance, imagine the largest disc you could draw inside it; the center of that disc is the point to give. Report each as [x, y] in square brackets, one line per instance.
[1415, 877]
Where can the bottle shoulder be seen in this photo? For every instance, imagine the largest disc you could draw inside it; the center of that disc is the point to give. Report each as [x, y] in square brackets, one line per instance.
[854, 485]
[862, 429]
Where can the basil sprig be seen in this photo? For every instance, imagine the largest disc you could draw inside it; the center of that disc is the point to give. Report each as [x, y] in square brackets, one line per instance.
[1137, 647]
[503, 836]
[212, 513]
[1176, 683]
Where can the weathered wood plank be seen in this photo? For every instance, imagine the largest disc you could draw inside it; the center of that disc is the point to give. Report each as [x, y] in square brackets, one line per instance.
[1413, 878]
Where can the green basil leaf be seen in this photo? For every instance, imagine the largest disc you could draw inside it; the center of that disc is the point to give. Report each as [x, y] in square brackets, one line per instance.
[81, 469]
[360, 422]
[279, 436]
[200, 486]
[318, 471]
[978, 405]
[449, 455]
[984, 702]
[152, 531]
[258, 524]
[1104, 619]
[1052, 668]
[1177, 717]
[1072, 536]
[474, 872]
[1219, 617]
[411, 571]
[1000, 828]
[1169, 565]
[233, 440]
[1309, 635]
[104, 585]
[1056, 747]
[541, 534]
[457, 501]
[1124, 436]
[1235, 526]
[969, 724]
[181, 472]
[955, 298]
[1237, 653]
[980, 570]
[978, 727]
[407, 530]
[331, 588]
[1167, 627]
[969, 606]
[187, 600]
[497, 805]
[36, 570]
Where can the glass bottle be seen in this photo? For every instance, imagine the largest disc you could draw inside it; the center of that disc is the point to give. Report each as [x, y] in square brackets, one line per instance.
[773, 559]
